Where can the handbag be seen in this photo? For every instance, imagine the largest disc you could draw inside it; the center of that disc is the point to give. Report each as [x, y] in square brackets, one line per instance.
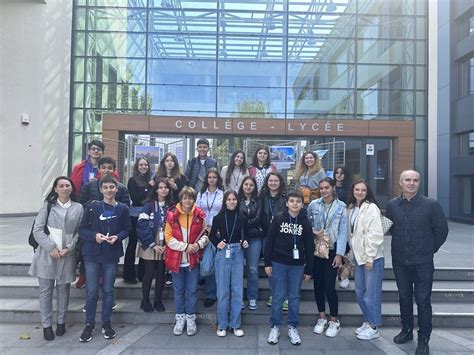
[321, 246]
[309, 194]
[386, 224]
[31, 238]
[207, 263]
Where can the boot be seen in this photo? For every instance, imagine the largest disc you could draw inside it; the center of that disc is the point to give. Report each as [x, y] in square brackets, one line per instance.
[146, 306]
[191, 327]
[61, 329]
[159, 306]
[180, 323]
[404, 336]
[48, 333]
[422, 348]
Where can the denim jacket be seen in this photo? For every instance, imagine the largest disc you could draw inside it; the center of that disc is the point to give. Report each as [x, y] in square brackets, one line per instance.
[337, 223]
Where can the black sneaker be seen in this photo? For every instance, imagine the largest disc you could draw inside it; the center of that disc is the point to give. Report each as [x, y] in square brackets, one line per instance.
[86, 335]
[108, 332]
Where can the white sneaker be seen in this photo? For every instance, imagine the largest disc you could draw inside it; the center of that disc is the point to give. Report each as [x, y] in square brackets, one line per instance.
[274, 335]
[191, 327]
[294, 336]
[253, 305]
[344, 283]
[361, 328]
[238, 332]
[221, 333]
[333, 329]
[180, 323]
[320, 326]
[368, 334]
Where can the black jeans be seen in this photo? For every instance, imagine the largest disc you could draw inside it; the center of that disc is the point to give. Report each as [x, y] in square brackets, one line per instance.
[324, 278]
[129, 272]
[417, 278]
[153, 268]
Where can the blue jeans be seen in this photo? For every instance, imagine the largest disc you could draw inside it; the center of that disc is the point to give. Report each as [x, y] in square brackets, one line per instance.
[286, 281]
[419, 277]
[252, 257]
[368, 287]
[185, 284]
[94, 273]
[210, 287]
[230, 283]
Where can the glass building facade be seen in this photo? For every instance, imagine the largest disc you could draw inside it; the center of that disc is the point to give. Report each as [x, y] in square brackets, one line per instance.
[281, 59]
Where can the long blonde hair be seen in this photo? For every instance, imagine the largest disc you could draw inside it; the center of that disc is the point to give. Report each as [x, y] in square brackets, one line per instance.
[301, 168]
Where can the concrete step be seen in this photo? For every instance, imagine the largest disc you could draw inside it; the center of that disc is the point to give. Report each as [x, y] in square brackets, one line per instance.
[443, 291]
[441, 273]
[128, 311]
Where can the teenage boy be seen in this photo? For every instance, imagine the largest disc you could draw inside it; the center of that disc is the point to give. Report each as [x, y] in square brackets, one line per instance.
[288, 259]
[88, 169]
[197, 167]
[91, 191]
[104, 226]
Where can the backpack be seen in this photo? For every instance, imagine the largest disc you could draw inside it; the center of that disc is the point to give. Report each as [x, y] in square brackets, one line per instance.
[31, 239]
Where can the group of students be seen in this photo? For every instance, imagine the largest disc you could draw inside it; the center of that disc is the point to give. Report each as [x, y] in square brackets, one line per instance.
[245, 212]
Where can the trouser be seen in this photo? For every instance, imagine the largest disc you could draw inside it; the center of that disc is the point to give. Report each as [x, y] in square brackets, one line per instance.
[153, 268]
[46, 289]
[185, 283]
[417, 278]
[252, 258]
[368, 287]
[129, 272]
[324, 278]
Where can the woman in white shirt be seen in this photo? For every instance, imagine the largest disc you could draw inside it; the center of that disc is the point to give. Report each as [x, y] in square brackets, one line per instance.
[235, 172]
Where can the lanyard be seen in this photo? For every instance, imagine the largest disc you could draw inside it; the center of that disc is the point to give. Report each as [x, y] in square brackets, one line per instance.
[207, 200]
[108, 218]
[293, 230]
[327, 221]
[306, 179]
[231, 234]
[269, 200]
[238, 176]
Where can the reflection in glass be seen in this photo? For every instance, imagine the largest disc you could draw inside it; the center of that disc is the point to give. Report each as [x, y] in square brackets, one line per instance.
[320, 102]
[373, 102]
[182, 98]
[181, 72]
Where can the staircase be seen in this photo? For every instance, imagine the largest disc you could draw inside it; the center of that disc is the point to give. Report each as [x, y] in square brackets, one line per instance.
[452, 299]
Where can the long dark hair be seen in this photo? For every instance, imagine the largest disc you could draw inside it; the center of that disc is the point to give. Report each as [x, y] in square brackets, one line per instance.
[224, 199]
[52, 196]
[241, 194]
[141, 180]
[154, 196]
[231, 166]
[220, 183]
[281, 190]
[175, 173]
[268, 162]
[352, 201]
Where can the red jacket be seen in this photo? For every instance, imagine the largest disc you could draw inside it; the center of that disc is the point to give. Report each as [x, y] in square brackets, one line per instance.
[173, 257]
[78, 171]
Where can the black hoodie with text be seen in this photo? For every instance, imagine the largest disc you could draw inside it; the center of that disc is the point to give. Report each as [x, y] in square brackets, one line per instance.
[283, 233]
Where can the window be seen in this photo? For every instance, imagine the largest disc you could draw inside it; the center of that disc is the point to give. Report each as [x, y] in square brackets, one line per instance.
[466, 27]
[467, 77]
[466, 144]
[467, 194]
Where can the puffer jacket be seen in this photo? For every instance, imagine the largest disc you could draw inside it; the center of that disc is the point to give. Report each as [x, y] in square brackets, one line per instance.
[367, 234]
[419, 229]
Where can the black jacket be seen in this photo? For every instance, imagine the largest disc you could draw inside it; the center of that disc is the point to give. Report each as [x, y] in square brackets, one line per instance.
[253, 213]
[281, 237]
[419, 229]
[91, 192]
[278, 204]
[219, 229]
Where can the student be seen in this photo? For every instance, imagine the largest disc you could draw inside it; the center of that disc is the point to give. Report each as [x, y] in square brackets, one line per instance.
[308, 175]
[150, 228]
[251, 208]
[234, 173]
[288, 259]
[228, 236]
[261, 166]
[54, 262]
[209, 200]
[197, 167]
[105, 225]
[92, 190]
[185, 239]
[140, 187]
[329, 220]
[169, 169]
[88, 169]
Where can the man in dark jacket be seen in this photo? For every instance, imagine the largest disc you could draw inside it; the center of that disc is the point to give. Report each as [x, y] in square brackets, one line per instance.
[197, 167]
[92, 191]
[419, 229]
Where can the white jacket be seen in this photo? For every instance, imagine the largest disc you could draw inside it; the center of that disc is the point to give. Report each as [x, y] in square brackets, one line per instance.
[367, 237]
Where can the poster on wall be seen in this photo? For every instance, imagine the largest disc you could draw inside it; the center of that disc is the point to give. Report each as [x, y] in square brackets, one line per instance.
[282, 156]
[151, 153]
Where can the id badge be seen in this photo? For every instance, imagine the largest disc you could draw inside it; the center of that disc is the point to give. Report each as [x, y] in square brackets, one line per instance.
[227, 253]
[161, 236]
[296, 253]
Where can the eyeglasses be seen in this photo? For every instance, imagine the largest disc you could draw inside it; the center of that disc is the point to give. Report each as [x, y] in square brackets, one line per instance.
[96, 149]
